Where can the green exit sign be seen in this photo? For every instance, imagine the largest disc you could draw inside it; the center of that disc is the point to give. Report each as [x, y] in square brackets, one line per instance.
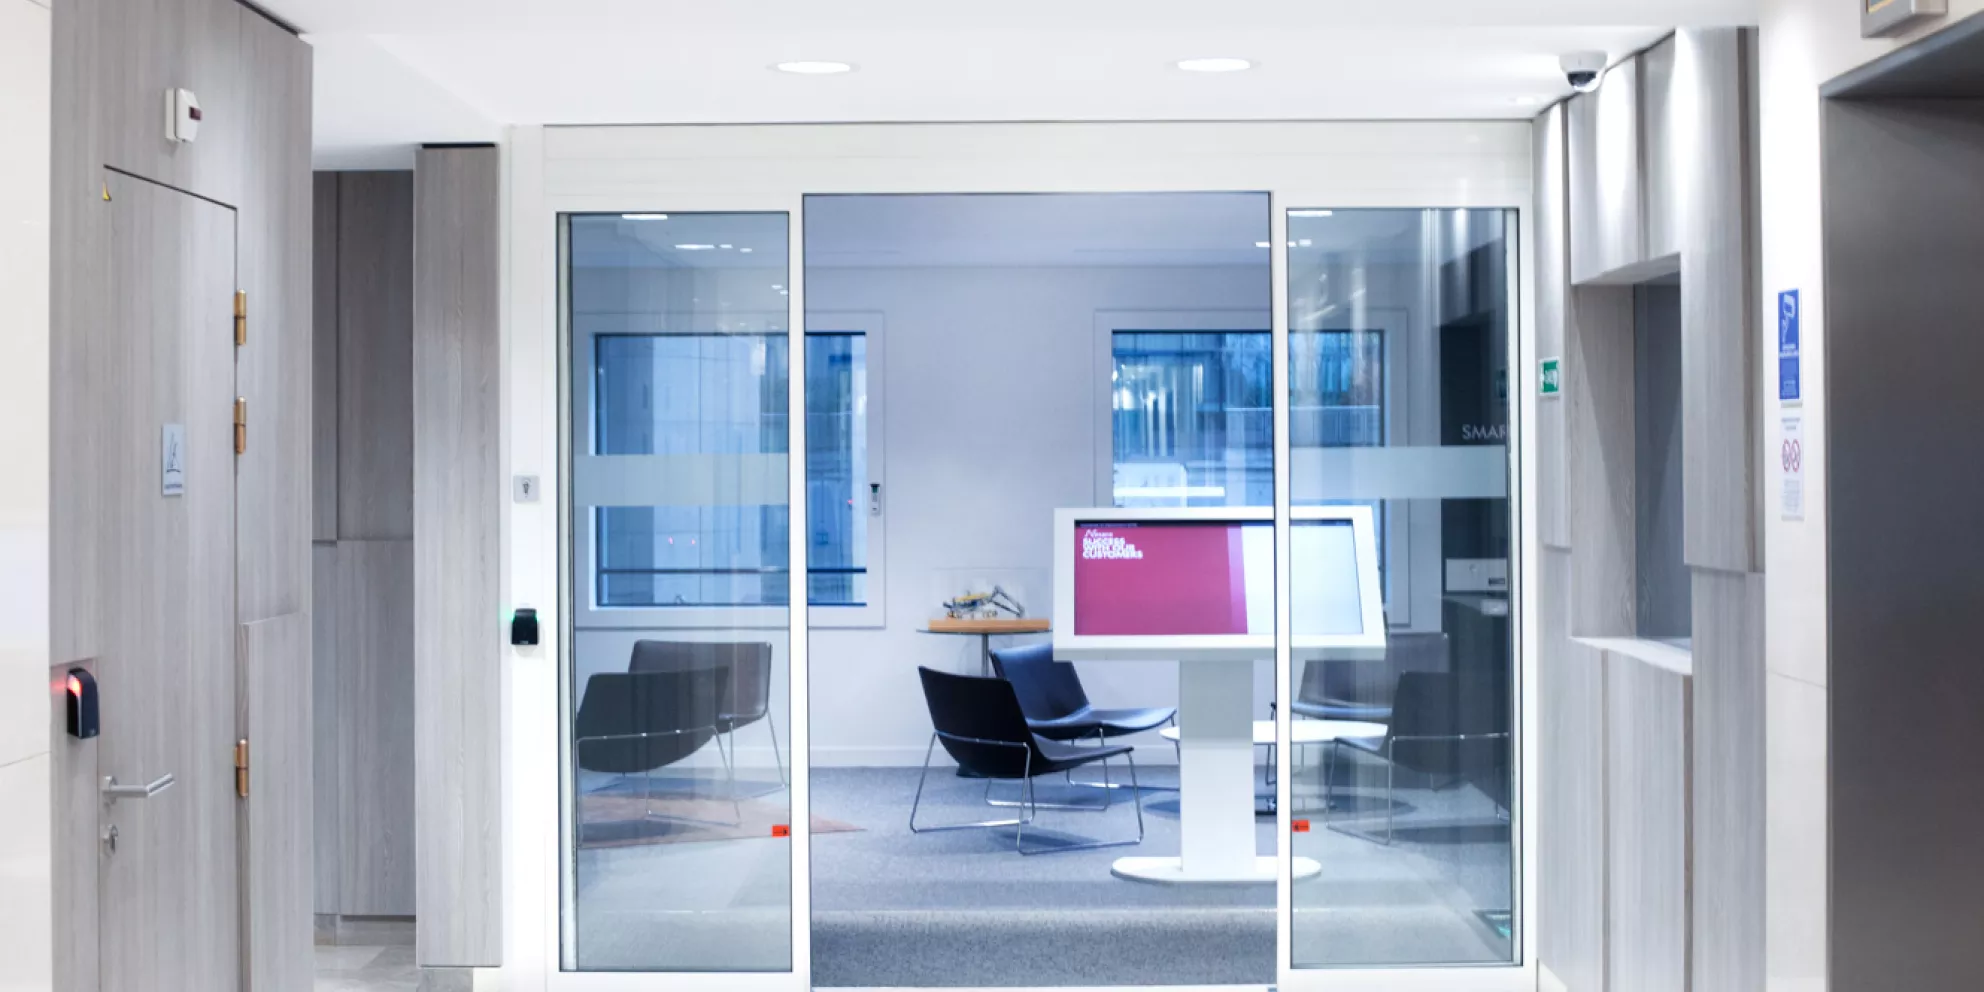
[1552, 377]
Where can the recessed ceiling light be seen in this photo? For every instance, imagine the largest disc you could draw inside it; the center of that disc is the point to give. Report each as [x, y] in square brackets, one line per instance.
[1215, 65]
[643, 216]
[695, 247]
[744, 251]
[1312, 213]
[1263, 244]
[809, 68]
[724, 247]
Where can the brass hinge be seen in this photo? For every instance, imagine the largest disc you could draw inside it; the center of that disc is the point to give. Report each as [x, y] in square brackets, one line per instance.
[241, 768]
[240, 425]
[240, 318]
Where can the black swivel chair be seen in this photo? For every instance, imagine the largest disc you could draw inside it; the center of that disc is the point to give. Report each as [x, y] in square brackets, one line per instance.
[981, 725]
[1442, 724]
[750, 665]
[632, 723]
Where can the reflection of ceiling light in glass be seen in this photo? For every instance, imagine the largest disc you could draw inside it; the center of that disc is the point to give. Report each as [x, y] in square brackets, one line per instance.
[1312, 213]
[1263, 244]
[778, 285]
[745, 251]
[808, 68]
[724, 247]
[695, 247]
[1215, 65]
[643, 216]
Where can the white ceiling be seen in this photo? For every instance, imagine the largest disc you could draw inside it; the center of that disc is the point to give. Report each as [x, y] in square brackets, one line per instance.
[393, 73]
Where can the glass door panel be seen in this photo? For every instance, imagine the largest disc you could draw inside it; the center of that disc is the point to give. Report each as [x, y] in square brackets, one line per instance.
[677, 846]
[1403, 765]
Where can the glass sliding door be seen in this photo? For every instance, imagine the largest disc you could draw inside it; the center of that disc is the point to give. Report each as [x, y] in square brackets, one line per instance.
[677, 718]
[1403, 771]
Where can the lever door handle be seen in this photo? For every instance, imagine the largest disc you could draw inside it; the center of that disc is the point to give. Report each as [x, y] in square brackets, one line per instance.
[113, 792]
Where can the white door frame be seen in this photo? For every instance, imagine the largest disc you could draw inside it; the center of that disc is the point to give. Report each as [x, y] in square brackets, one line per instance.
[550, 171]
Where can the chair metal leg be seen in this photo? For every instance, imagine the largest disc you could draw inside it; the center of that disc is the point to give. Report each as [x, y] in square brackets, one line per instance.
[917, 803]
[777, 758]
[1101, 740]
[1135, 792]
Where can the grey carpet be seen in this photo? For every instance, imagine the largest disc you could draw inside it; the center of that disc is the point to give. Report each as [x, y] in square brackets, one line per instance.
[892, 908]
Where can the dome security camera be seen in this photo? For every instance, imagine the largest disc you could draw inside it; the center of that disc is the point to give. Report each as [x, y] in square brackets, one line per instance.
[1583, 70]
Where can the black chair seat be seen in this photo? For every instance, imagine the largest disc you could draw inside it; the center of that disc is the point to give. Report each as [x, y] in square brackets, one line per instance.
[1336, 709]
[1088, 721]
[1062, 757]
[1056, 705]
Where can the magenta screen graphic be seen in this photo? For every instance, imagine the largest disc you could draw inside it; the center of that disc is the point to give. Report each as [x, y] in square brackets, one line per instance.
[1168, 579]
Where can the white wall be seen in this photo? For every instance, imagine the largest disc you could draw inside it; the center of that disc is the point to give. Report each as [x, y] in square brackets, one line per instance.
[1803, 43]
[26, 896]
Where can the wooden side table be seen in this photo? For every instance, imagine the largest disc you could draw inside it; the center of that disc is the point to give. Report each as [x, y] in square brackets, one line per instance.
[986, 630]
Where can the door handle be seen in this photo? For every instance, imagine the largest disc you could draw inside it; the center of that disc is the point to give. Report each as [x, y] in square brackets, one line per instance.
[113, 792]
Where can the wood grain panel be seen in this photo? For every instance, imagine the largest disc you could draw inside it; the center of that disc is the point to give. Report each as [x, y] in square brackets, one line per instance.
[1552, 283]
[1719, 340]
[375, 727]
[1647, 760]
[1570, 914]
[273, 370]
[324, 358]
[169, 912]
[1729, 800]
[1600, 466]
[1607, 203]
[130, 54]
[277, 831]
[458, 491]
[325, 744]
[375, 355]
[1664, 124]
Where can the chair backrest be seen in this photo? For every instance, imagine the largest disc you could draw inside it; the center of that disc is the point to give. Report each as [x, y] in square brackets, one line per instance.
[1442, 721]
[967, 710]
[1047, 689]
[749, 662]
[677, 710]
[1370, 684]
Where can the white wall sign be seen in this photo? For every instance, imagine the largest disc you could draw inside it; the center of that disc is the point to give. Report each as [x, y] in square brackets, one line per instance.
[1791, 465]
[172, 460]
[523, 488]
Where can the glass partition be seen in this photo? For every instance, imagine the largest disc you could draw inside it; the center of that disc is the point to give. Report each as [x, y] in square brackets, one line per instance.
[1399, 368]
[678, 851]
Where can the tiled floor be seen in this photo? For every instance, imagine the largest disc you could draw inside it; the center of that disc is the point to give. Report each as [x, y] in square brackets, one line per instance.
[366, 969]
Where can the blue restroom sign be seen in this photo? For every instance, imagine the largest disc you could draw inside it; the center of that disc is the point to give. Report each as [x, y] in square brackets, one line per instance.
[1787, 345]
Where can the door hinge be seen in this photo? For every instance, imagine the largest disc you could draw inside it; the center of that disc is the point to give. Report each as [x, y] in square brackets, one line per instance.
[241, 768]
[240, 425]
[240, 317]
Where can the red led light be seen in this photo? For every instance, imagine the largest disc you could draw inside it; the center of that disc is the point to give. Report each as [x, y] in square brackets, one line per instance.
[75, 687]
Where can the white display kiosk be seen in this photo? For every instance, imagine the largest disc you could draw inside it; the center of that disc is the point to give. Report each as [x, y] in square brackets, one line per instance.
[1196, 585]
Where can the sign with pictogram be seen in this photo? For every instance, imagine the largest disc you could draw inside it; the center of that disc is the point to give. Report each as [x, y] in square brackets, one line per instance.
[1791, 465]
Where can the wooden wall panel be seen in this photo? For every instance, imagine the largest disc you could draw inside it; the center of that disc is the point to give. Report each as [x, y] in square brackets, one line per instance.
[375, 356]
[1664, 125]
[1729, 795]
[458, 498]
[1552, 283]
[324, 359]
[1647, 759]
[277, 830]
[325, 622]
[1570, 913]
[273, 370]
[1719, 343]
[375, 604]
[1607, 203]
[1600, 466]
